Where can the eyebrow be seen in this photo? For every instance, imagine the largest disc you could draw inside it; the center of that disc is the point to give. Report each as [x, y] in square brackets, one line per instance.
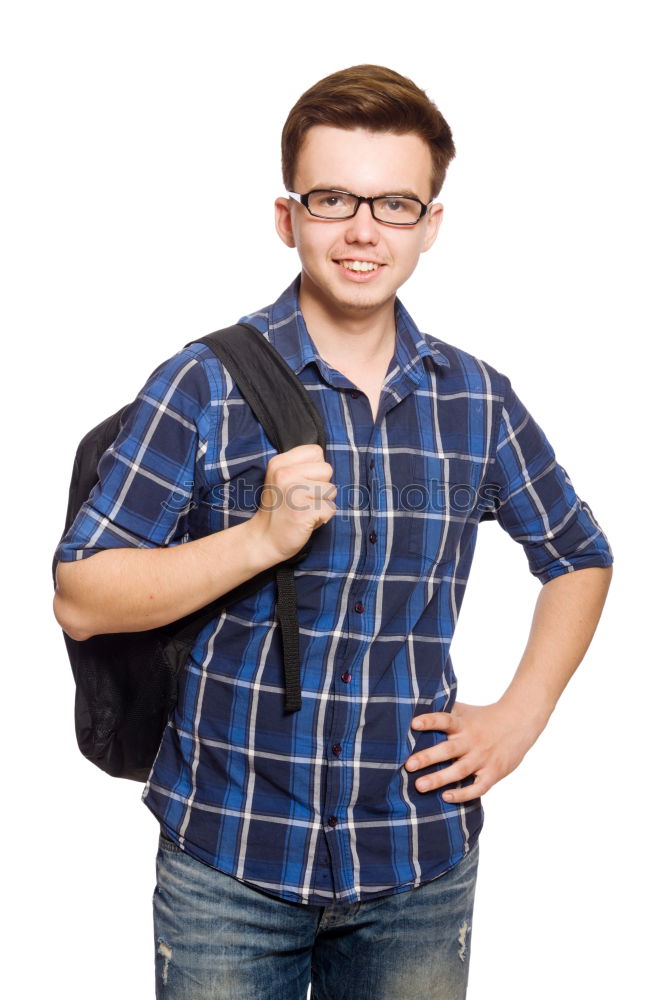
[402, 192]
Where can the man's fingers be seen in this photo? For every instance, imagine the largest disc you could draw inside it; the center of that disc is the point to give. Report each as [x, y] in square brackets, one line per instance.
[302, 453]
[442, 721]
[480, 785]
[448, 775]
[300, 472]
[448, 750]
[458, 771]
[308, 486]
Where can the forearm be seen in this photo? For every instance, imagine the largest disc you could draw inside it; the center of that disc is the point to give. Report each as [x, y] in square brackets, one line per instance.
[564, 621]
[489, 741]
[130, 590]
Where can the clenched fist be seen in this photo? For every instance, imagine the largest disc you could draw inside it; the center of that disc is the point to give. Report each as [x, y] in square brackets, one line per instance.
[297, 497]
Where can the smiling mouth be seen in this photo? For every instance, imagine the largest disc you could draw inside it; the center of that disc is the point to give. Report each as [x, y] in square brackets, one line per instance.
[359, 265]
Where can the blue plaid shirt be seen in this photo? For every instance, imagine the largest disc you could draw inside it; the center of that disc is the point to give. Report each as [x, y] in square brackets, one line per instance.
[316, 806]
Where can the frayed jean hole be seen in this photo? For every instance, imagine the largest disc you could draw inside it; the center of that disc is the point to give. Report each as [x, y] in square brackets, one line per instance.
[462, 940]
[165, 951]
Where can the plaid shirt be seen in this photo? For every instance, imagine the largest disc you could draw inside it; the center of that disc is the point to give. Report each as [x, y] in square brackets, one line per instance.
[316, 806]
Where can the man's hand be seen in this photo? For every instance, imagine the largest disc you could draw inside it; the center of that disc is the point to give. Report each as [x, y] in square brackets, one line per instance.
[490, 741]
[133, 589]
[486, 741]
[296, 499]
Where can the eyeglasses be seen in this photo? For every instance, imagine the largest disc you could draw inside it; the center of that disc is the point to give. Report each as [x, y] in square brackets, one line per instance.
[394, 209]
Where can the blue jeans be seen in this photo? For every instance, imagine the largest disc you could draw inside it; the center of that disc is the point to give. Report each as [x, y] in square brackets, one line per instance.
[219, 939]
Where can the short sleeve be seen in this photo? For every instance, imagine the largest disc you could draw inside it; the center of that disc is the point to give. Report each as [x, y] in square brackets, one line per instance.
[537, 504]
[150, 476]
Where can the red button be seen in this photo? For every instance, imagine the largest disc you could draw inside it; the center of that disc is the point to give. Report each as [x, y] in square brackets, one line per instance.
[359, 607]
[333, 821]
[337, 749]
[373, 537]
[346, 677]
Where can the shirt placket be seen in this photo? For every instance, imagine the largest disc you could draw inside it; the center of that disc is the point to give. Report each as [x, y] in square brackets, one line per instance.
[344, 712]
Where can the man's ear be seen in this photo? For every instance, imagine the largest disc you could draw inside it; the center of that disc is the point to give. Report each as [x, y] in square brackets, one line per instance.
[284, 208]
[433, 219]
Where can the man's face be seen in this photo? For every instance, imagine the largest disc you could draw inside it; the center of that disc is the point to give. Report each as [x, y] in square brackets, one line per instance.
[369, 164]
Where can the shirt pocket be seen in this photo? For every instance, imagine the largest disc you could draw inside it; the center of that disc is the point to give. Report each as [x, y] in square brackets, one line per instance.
[442, 495]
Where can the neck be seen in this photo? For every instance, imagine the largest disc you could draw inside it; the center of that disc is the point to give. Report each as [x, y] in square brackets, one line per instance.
[355, 335]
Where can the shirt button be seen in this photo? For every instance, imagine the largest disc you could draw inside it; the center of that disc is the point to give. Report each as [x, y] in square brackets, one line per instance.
[359, 607]
[346, 677]
[372, 463]
[337, 749]
[333, 821]
[373, 537]
[355, 393]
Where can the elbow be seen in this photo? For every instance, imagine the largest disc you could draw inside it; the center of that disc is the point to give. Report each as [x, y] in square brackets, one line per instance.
[69, 611]
[70, 621]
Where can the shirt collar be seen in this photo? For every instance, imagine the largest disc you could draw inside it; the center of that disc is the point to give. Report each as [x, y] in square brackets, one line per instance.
[288, 333]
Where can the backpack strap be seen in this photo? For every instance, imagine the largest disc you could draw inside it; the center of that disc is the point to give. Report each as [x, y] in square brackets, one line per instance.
[282, 406]
[269, 386]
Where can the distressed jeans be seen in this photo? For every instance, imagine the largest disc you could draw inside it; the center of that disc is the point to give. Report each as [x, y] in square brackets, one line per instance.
[219, 939]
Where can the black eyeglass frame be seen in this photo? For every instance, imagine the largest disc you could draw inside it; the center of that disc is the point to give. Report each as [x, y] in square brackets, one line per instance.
[303, 200]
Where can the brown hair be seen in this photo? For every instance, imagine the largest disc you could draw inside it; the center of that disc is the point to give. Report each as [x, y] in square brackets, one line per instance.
[371, 97]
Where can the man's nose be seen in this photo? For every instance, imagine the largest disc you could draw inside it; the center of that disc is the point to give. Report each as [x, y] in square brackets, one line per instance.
[363, 228]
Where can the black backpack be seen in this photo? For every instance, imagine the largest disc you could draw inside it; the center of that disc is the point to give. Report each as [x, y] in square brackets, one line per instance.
[126, 683]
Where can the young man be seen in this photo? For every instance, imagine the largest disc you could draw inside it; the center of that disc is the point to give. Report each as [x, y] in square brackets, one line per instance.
[336, 843]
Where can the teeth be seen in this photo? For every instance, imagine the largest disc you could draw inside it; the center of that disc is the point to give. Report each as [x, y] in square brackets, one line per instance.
[359, 265]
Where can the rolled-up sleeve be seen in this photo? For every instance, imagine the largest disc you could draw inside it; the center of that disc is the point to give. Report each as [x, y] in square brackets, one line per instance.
[538, 505]
[149, 476]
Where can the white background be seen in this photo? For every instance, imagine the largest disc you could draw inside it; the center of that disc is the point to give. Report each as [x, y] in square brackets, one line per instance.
[141, 162]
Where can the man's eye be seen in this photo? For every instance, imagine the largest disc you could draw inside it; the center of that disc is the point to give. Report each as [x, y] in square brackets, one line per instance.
[333, 200]
[407, 210]
[330, 204]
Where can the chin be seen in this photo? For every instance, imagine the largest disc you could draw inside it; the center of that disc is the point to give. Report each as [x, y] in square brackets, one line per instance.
[345, 297]
[364, 298]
